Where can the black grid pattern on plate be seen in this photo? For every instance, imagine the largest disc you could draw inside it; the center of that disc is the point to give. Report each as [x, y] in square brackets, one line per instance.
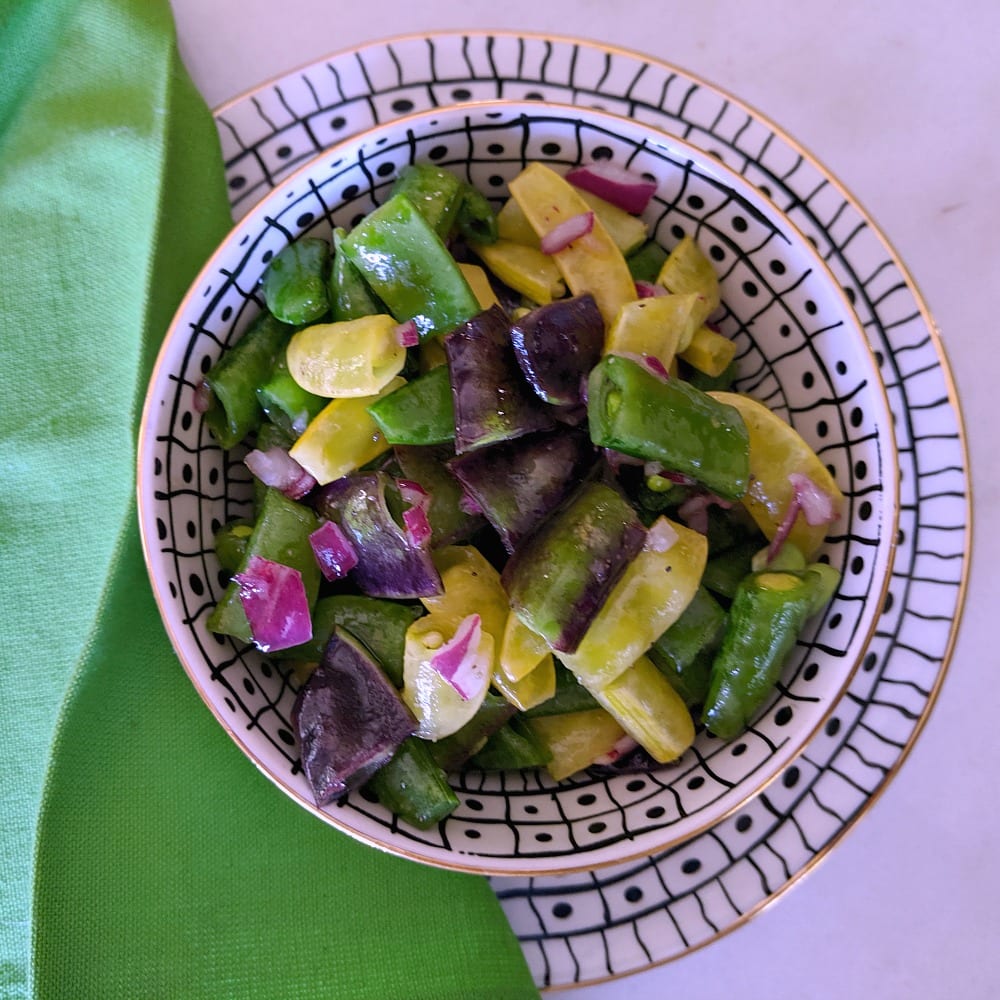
[872, 722]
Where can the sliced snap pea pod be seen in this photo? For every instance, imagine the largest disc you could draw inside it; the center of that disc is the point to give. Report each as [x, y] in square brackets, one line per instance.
[513, 747]
[633, 411]
[683, 653]
[295, 283]
[234, 410]
[590, 264]
[645, 262]
[350, 297]
[435, 192]
[405, 263]
[561, 575]
[390, 563]
[652, 593]
[230, 543]
[517, 484]
[280, 534]
[412, 786]
[725, 570]
[765, 620]
[418, 413]
[476, 220]
[285, 402]
[451, 752]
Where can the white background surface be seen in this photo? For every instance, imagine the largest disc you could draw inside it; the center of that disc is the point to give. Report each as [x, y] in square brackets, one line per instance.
[900, 100]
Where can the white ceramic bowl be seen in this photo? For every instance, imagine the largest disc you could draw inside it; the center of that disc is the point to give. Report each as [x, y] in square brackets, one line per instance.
[800, 350]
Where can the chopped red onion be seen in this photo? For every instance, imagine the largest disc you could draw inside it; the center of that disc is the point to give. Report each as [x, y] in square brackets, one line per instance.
[274, 599]
[334, 552]
[202, 397]
[616, 459]
[413, 493]
[566, 232]
[407, 334]
[623, 745]
[649, 290]
[458, 661]
[275, 467]
[678, 477]
[661, 536]
[815, 504]
[694, 510]
[656, 366]
[621, 187]
[418, 528]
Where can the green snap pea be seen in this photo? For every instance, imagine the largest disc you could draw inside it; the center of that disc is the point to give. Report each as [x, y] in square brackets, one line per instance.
[683, 654]
[406, 264]
[350, 297]
[570, 696]
[512, 748]
[285, 403]
[765, 619]
[635, 412]
[231, 543]
[644, 263]
[436, 194]
[477, 221]
[413, 787]
[422, 412]
[452, 752]
[295, 283]
[234, 410]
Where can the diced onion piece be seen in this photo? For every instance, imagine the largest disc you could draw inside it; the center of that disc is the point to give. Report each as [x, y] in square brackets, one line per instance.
[624, 188]
[661, 536]
[566, 232]
[418, 527]
[655, 365]
[202, 397]
[334, 551]
[276, 468]
[649, 290]
[694, 510]
[458, 660]
[415, 520]
[817, 505]
[407, 334]
[413, 493]
[274, 600]
[625, 745]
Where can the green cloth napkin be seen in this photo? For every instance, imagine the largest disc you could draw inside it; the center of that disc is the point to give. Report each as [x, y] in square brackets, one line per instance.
[142, 855]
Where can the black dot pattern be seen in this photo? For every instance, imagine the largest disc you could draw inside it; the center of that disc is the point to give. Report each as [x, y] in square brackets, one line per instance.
[663, 905]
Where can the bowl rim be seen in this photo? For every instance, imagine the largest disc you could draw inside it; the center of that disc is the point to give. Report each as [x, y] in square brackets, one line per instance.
[469, 862]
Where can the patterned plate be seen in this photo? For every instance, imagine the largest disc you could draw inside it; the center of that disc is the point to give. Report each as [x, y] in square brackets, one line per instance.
[582, 928]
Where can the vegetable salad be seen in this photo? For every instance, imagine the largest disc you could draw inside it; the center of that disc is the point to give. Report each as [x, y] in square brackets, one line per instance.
[509, 511]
